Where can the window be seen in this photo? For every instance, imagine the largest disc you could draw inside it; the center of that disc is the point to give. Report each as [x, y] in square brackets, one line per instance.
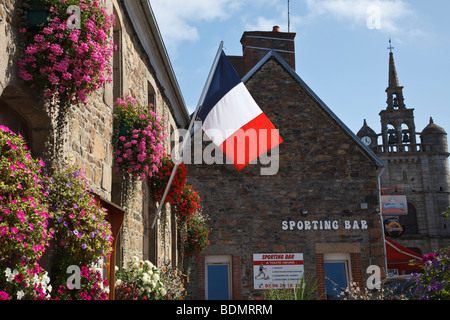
[218, 278]
[409, 221]
[151, 95]
[117, 60]
[337, 274]
[14, 122]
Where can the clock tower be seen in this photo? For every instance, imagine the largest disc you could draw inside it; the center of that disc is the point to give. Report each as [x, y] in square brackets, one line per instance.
[368, 136]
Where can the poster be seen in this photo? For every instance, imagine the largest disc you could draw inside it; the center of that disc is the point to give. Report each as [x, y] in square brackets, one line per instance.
[277, 270]
[394, 205]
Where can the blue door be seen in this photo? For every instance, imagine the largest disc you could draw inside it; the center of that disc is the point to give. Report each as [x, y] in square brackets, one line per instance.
[218, 282]
[335, 279]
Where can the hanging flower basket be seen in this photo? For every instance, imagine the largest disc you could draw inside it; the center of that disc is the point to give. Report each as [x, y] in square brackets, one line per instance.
[197, 234]
[138, 139]
[160, 180]
[25, 231]
[187, 203]
[67, 63]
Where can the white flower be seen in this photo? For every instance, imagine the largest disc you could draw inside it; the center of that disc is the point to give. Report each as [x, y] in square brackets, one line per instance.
[118, 282]
[20, 295]
[149, 264]
[145, 278]
[10, 276]
[162, 291]
[155, 277]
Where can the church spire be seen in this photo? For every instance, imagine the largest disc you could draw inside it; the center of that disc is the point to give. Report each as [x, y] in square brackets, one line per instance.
[393, 78]
[394, 90]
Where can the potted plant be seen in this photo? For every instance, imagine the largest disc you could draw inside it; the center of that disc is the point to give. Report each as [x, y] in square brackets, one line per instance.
[138, 138]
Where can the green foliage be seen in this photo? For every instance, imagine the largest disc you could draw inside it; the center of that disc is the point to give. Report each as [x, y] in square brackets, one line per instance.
[304, 290]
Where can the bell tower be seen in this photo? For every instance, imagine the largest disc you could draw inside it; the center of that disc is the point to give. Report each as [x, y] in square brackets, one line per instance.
[415, 163]
[398, 130]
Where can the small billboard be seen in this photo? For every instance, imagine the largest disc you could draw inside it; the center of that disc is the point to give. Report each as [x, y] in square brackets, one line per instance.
[394, 205]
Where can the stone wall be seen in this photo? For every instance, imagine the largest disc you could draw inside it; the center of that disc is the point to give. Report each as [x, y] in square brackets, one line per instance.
[88, 137]
[322, 172]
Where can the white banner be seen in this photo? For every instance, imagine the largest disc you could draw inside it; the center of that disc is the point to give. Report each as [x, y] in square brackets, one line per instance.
[277, 270]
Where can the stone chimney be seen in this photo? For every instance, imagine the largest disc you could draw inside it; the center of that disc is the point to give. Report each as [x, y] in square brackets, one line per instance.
[256, 44]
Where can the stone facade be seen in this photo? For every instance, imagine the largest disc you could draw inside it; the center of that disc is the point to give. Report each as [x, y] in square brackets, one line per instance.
[325, 178]
[140, 69]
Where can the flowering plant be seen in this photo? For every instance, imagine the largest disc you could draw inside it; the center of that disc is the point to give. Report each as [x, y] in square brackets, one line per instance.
[69, 63]
[138, 138]
[160, 180]
[92, 287]
[27, 284]
[24, 219]
[139, 280]
[197, 233]
[187, 203]
[82, 234]
[433, 283]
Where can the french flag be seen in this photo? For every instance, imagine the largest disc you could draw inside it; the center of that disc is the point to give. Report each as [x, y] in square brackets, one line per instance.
[233, 120]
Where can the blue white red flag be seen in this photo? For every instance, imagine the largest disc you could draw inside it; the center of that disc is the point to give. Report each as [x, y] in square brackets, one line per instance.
[233, 120]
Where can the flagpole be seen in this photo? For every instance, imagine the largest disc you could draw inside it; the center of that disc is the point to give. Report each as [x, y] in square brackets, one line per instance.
[188, 132]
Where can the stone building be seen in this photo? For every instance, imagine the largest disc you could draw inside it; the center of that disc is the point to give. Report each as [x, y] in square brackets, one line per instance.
[321, 207]
[416, 166]
[142, 69]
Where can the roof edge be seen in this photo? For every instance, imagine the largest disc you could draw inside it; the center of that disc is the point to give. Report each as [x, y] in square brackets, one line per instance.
[273, 54]
[144, 23]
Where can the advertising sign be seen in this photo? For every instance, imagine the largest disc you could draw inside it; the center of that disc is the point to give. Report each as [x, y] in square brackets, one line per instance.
[394, 205]
[277, 270]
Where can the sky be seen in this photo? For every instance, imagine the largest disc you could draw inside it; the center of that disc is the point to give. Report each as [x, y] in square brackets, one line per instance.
[341, 49]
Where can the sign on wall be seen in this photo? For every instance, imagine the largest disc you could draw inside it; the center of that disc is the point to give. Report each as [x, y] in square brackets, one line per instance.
[394, 205]
[277, 270]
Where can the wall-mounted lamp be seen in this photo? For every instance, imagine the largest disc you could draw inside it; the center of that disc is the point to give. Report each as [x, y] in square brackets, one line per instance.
[304, 212]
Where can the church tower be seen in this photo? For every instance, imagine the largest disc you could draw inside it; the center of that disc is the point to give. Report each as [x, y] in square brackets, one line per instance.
[416, 165]
[397, 121]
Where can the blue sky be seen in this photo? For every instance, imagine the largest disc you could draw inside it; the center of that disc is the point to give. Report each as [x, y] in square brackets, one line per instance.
[341, 49]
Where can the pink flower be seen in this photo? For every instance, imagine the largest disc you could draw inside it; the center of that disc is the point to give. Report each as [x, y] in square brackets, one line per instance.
[3, 230]
[48, 30]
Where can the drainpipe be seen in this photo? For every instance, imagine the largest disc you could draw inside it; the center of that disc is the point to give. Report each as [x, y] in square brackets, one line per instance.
[381, 218]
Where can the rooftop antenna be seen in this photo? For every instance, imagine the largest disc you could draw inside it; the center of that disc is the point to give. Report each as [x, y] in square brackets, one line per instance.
[289, 17]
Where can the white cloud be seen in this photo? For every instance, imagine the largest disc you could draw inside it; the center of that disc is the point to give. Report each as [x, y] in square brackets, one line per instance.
[386, 15]
[178, 19]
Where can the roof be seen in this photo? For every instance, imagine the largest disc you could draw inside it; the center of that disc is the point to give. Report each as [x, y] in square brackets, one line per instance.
[273, 55]
[433, 128]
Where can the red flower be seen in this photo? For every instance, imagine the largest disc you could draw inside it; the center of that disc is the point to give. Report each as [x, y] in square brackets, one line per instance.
[18, 278]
